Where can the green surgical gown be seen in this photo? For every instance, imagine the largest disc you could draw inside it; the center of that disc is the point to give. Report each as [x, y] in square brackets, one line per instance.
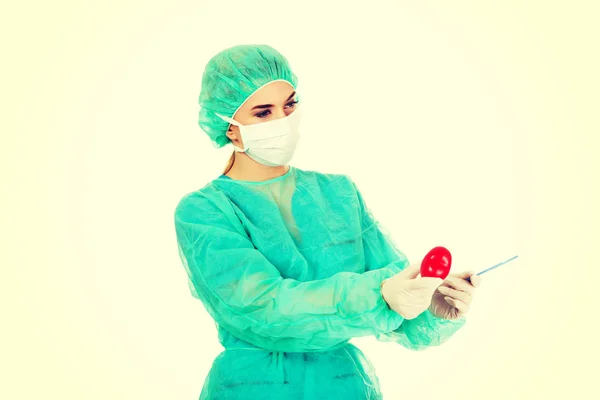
[290, 270]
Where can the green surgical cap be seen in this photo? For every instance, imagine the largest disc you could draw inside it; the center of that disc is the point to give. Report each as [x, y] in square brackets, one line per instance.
[230, 78]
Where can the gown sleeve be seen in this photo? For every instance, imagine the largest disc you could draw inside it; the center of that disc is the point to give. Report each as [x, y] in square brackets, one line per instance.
[246, 294]
[424, 331]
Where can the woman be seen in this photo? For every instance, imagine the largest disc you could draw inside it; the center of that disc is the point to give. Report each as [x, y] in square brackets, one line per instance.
[289, 263]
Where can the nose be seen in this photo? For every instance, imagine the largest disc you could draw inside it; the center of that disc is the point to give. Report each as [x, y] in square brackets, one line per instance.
[280, 113]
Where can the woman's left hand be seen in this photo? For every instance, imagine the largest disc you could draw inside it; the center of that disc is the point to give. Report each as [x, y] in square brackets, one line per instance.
[453, 298]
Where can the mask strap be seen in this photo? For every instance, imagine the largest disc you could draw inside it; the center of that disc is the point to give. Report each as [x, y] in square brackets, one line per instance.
[232, 122]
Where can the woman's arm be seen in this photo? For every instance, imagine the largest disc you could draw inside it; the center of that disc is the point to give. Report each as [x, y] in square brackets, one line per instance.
[247, 295]
[380, 252]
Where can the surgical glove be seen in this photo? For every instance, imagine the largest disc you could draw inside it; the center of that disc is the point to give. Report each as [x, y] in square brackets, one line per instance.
[407, 294]
[453, 298]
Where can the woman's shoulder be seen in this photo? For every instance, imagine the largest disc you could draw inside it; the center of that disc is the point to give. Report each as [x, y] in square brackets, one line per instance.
[324, 177]
[207, 200]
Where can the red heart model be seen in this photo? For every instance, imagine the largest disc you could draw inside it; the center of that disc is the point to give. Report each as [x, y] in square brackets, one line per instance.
[437, 263]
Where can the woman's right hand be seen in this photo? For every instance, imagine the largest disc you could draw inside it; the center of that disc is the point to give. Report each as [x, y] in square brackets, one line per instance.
[409, 294]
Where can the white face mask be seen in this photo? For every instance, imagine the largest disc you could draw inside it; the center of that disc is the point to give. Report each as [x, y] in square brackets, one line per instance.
[270, 143]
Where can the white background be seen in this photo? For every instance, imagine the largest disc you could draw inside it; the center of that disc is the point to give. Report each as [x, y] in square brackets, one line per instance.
[464, 125]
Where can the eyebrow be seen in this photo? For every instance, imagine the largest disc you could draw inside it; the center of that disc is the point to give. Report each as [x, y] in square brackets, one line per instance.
[262, 106]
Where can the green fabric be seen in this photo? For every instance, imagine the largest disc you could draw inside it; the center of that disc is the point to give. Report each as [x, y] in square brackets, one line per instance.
[290, 269]
[230, 77]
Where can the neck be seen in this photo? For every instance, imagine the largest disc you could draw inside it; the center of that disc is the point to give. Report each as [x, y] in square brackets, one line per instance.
[246, 169]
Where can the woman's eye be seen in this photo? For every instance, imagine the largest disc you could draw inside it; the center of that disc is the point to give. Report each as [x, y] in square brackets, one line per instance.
[292, 103]
[263, 114]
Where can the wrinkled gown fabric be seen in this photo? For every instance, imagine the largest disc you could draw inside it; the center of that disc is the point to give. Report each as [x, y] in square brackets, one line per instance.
[290, 270]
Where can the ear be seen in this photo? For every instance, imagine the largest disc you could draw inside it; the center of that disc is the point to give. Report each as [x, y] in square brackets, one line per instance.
[233, 133]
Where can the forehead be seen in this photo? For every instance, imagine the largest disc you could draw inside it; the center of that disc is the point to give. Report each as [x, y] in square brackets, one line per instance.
[273, 93]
